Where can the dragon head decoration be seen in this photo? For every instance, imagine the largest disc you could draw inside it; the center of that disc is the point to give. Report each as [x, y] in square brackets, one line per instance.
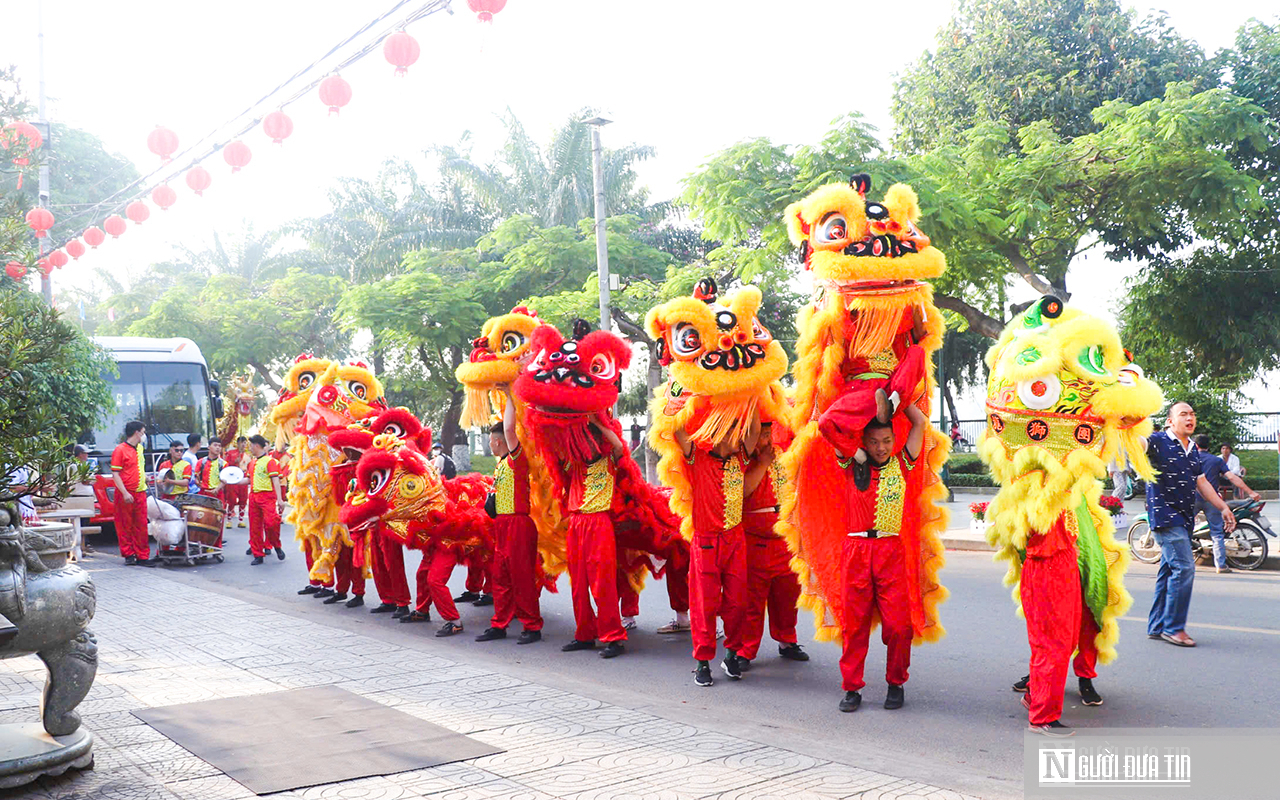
[723, 362]
[340, 396]
[503, 349]
[395, 484]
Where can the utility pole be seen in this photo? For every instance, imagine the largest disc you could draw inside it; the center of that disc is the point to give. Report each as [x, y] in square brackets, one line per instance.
[46, 284]
[602, 240]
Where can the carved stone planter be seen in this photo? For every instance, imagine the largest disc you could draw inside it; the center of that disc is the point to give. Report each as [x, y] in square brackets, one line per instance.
[46, 604]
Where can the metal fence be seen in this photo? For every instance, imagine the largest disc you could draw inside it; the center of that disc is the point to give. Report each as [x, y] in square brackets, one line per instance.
[1257, 428]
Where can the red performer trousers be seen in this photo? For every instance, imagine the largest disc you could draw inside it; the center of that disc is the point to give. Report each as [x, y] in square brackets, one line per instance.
[131, 526]
[770, 583]
[515, 572]
[717, 587]
[875, 578]
[388, 570]
[628, 597]
[236, 498]
[349, 575]
[264, 523]
[1057, 624]
[477, 575]
[306, 552]
[433, 581]
[593, 573]
[843, 421]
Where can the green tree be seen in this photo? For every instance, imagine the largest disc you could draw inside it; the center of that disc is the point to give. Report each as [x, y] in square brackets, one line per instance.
[1017, 62]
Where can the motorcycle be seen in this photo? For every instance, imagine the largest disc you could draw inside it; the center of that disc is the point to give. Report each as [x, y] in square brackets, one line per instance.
[1246, 546]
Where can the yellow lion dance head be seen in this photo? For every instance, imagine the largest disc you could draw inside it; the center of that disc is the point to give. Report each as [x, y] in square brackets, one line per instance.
[497, 356]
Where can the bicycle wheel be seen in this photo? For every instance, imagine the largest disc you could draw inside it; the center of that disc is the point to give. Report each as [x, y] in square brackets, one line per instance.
[1142, 542]
[1246, 547]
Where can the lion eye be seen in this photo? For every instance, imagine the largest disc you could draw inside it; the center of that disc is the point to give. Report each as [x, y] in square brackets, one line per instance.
[377, 480]
[395, 430]
[834, 229]
[759, 332]
[511, 341]
[686, 341]
[358, 389]
[305, 380]
[1092, 359]
[603, 368]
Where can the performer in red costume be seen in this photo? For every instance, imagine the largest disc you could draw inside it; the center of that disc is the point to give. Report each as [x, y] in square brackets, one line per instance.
[236, 495]
[208, 469]
[348, 570]
[389, 576]
[770, 581]
[718, 568]
[266, 501]
[515, 561]
[880, 493]
[129, 476]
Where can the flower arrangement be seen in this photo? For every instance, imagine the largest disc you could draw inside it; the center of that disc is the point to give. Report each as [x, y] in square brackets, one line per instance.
[978, 511]
[1113, 505]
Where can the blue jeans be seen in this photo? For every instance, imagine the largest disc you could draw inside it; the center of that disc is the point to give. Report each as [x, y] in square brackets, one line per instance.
[1216, 532]
[1173, 581]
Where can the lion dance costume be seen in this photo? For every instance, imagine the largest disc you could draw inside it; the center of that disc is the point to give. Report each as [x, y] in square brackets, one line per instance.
[1062, 401]
[872, 325]
[724, 371]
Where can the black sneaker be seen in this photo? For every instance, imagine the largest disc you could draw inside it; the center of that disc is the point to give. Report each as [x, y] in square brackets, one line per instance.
[356, 601]
[466, 597]
[256, 560]
[744, 664]
[131, 561]
[793, 652]
[851, 701]
[449, 628]
[324, 592]
[1089, 695]
[613, 650]
[383, 608]
[416, 616]
[484, 600]
[336, 597]
[578, 644]
[730, 666]
[148, 562]
[401, 611]
[1054, 729]
[702, 674]
[309, 589]
[492, 634]
[529, 637]
[280, 553]
[249, 552]
[1023, 685]
[895, 698]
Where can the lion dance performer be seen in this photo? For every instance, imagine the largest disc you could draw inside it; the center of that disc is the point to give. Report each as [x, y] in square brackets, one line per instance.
[570, 387]
[1063, 400]
[864, 348]
[725, 368]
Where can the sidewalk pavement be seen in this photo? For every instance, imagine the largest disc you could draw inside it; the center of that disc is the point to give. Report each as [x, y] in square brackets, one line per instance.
[163, 642]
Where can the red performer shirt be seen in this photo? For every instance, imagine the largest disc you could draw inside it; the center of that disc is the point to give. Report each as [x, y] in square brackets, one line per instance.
[882, 505]
[232, 456]
[765, 497]
[591, 485]
[511, 483]
[261, 471]
[1043, 545]
[126, 459]
[181, 470]
[207, 473]
[717, 491]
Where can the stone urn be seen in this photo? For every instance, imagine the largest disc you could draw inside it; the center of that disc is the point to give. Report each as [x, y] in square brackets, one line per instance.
[46, 604]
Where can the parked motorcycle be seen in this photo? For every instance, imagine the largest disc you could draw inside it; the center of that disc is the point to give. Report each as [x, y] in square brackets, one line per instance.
[1246, 546]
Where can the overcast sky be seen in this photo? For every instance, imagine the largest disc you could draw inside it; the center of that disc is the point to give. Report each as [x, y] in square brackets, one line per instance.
[686, 76]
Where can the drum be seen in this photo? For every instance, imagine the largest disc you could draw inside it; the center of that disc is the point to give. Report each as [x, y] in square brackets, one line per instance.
[202, 500]
[204, 524]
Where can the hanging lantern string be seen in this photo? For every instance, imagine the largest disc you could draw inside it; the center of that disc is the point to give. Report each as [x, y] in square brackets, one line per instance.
[168, 172]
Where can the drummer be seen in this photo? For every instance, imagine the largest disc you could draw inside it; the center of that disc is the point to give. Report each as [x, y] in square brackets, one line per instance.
[208, 469]
[173, 473]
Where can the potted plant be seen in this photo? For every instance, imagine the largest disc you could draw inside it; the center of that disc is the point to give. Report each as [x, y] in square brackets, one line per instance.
[1115, 507]
[978, 518]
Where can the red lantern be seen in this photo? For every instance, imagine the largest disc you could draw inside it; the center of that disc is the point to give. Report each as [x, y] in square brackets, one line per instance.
[278, 126]
[21, 139]
[40, 220]
[75, 249]
[163, 142]
[115, 226]
[401, 51]
[94, 237]
[137, 211]
[46, 269]
[485, 9]
[164, 196]
[237, 154]
[15, 270]
[335, 93]
[58, 259]
[199, 179]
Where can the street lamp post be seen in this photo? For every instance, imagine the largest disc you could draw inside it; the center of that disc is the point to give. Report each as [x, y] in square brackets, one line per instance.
[602, 240]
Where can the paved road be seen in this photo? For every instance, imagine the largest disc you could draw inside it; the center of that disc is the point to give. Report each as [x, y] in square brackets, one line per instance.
[962, 726]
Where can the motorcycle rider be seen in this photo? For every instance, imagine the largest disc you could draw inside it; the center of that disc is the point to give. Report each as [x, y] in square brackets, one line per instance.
[1214, 470]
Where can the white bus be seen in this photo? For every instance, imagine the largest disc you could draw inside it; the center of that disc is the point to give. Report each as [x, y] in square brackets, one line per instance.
[164, 383]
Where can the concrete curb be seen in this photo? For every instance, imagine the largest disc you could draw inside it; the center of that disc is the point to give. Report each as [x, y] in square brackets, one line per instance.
[952, 541]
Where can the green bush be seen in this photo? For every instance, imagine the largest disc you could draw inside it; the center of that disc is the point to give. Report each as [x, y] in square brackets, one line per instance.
[962, 479]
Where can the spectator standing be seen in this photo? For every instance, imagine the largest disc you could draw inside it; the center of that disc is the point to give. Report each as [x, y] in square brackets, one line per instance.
[1171, 510]
[1233, 463]
[1215, 469]
[20, 481]
[131, 497]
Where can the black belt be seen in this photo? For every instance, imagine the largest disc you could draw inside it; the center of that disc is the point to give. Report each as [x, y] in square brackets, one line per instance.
[871, 534]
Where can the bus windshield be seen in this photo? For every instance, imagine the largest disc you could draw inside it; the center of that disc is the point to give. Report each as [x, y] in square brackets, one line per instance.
[171, 399]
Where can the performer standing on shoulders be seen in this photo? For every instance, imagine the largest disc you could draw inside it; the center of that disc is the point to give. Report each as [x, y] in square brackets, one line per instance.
[515, 562]
[881, 489]
[770, 580]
